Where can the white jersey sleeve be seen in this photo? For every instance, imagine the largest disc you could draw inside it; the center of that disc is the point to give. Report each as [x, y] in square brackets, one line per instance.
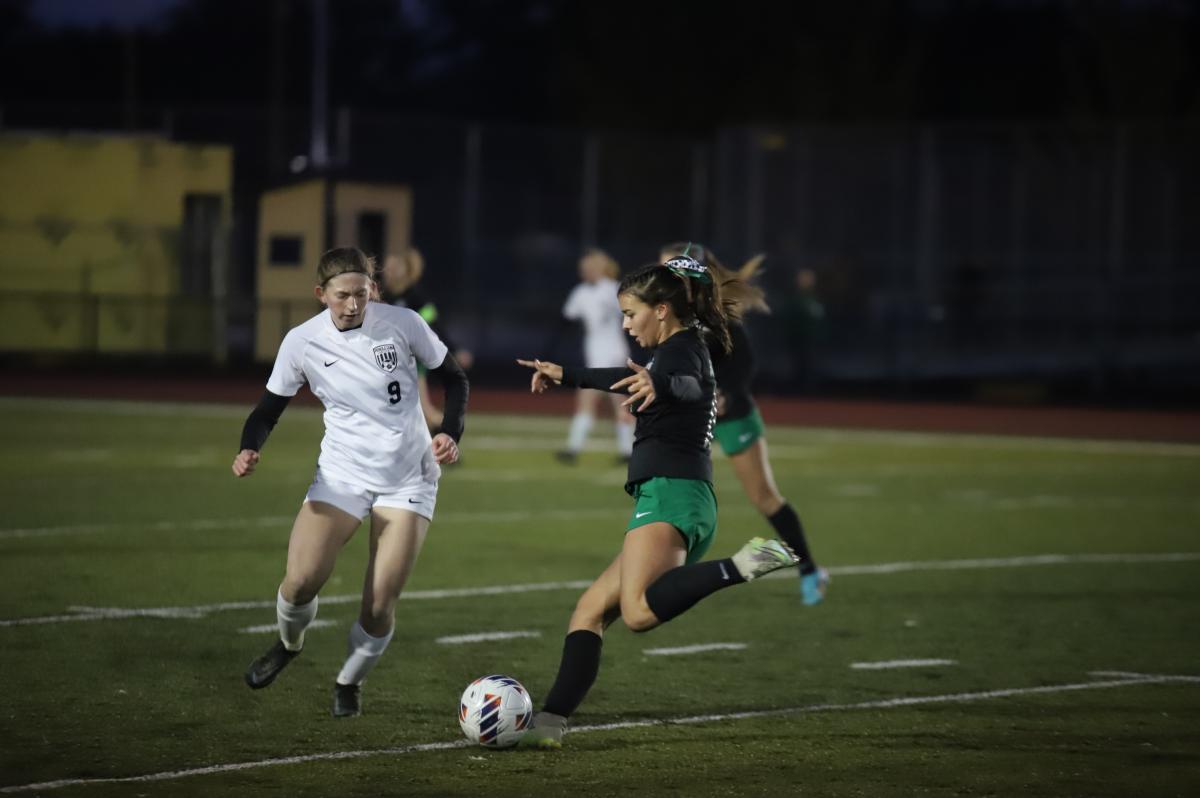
[576, 303]
[423, 341]
[288, 374]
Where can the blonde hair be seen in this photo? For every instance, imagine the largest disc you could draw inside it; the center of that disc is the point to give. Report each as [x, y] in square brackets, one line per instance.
[608, 266]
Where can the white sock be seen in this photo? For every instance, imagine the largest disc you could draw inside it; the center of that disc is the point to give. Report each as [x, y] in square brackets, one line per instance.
[625, 439]
[581, 425]
[293, 620]
[365, 651]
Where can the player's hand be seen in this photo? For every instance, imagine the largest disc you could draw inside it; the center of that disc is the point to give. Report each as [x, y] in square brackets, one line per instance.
[445, 450]
[545, 374]
[639, 386]
[245, 463]
[465, 359]
[720, 402]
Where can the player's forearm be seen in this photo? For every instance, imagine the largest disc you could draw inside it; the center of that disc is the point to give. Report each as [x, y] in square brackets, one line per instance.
[598, 379]
[262, 420]
[454, 410]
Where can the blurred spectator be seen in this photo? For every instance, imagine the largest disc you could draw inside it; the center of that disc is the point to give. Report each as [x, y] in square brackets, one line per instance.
[802, 318]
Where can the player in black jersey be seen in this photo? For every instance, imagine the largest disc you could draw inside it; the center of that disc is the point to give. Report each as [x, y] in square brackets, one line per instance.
[670, 309]
[740, 429]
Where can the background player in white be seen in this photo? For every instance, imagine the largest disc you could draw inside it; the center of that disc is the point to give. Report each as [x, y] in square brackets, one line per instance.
[377, 458]
[594, 303]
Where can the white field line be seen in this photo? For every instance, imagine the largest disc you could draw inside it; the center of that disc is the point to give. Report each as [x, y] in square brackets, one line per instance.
[84, 613]
[1003, 562]
[271, 627]
[481, 637]
[696, 649]
[888, 703]
[887, 664]
[490, 423]
[284, 522]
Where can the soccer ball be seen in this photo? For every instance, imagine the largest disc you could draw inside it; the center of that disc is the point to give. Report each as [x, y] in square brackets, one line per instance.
[495, 711]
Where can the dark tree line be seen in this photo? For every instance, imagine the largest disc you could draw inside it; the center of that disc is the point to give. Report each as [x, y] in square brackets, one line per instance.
[635, 63]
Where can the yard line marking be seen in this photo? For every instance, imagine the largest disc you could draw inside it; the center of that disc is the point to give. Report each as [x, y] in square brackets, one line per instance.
[520, 425]
[897, 663]
[285, 521]
[83, 613]
[888, 703]
[194, 525]
[274, 627]
[670, 652]
[480, 637]
[1001, 562]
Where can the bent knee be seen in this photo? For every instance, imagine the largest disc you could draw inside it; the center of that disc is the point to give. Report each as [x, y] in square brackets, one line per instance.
[299, 589]
[638, 616]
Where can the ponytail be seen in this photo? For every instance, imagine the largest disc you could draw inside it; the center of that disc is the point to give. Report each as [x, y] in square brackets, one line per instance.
[692, 291]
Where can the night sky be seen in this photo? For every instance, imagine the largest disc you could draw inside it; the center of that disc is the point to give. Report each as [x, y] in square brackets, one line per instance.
[619, 63]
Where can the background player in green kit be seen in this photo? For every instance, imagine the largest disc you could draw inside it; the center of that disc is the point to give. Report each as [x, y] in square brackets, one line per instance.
[739, 428]
[670, 309]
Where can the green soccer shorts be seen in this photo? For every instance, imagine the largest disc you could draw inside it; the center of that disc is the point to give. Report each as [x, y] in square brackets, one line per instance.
[689, 505]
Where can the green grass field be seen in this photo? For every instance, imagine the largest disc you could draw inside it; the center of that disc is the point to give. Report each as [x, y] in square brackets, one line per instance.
[131, 562]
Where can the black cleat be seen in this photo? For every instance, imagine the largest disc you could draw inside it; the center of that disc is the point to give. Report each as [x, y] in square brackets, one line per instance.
[264, 669]
[346, 702]
[567, 456]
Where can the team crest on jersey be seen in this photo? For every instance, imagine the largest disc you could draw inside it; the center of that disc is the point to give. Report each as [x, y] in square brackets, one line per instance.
[386, 356]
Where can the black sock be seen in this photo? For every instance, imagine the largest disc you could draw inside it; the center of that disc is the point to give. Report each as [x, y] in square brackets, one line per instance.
[791, 531]
[674, 593]
[576, 673]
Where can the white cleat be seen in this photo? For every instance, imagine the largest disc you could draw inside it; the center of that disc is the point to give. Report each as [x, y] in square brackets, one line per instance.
[760, 557]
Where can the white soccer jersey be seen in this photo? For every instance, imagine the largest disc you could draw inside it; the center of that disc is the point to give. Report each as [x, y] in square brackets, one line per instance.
[596, 305]
[375, 434]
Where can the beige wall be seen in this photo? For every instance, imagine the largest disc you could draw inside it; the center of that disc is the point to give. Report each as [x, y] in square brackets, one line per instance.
[285, 293]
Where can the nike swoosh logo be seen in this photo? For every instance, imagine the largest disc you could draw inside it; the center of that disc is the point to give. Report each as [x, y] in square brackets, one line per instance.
[331, 362]
[745, 437]
[414, 501]
[639, 515]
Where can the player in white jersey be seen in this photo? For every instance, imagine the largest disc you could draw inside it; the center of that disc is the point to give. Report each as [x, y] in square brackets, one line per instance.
[594, 303]
[377, 458]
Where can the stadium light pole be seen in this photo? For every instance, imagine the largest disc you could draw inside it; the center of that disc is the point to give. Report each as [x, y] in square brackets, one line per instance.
[319, 145]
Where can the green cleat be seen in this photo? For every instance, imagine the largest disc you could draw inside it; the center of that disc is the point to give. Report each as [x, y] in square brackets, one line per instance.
[545, 734]
[760, 557]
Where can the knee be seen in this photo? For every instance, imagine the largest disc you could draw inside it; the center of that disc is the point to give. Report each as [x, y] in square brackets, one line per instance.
[638, 616]
[298, 589]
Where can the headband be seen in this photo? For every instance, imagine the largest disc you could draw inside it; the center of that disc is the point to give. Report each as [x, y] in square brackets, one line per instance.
[684, 266]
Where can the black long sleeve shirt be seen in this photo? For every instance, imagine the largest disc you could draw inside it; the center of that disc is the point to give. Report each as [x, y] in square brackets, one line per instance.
[735, 371]
[673, 436]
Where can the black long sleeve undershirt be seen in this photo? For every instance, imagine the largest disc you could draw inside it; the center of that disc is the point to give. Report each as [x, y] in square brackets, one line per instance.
[454, 409]
[262, 420]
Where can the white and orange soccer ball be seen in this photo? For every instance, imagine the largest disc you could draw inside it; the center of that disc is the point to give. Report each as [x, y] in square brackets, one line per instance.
[495, 711]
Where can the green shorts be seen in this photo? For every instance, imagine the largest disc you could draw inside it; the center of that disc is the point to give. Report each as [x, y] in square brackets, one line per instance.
[689, 505]
[736, 435]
